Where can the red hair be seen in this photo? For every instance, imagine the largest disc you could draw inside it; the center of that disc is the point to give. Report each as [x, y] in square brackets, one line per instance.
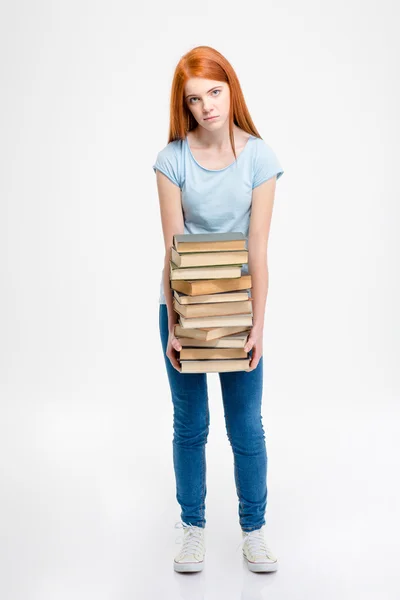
[207, 63]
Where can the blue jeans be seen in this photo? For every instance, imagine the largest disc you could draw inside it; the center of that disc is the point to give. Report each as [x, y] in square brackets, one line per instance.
[242, 396]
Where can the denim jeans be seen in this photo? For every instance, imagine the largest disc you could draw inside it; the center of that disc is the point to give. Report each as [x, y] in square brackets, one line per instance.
[242, 396]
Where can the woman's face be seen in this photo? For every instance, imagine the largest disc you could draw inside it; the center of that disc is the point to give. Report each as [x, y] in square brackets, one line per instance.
[207, 98]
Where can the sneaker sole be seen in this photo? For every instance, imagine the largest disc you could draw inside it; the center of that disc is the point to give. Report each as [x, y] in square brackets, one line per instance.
[188, 567]
[261, 567]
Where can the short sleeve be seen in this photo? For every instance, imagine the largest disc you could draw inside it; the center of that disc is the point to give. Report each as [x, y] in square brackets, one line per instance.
[266, 164]
[168, 163]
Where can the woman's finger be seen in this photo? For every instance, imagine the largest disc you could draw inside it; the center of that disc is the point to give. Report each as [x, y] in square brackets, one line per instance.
[175, 343]
[175, 364]
[173, 360]
[249, 344]
[255, 358]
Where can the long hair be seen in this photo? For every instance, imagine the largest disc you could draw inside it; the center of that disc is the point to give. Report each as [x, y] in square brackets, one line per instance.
[208, 63]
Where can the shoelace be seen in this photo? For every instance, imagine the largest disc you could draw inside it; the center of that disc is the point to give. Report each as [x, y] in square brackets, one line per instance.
[192, 537]
[256, 542]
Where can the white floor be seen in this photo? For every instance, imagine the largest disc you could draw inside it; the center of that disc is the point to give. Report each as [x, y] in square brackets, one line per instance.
[87, 514]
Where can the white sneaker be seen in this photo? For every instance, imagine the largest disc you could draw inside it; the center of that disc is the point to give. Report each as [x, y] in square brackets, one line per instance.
[191, 555]
[256, 552]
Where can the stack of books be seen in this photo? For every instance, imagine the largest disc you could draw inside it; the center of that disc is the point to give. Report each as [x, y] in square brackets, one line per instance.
[213, 301]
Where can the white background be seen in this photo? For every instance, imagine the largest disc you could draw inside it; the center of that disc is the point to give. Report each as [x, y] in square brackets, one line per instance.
[87, 502]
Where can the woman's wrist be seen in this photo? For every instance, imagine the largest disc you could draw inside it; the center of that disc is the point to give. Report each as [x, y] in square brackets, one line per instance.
[172, 321]
[257, 327]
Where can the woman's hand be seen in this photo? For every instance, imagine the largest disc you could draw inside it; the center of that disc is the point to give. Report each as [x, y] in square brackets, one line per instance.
[255, 342]
[172, 346]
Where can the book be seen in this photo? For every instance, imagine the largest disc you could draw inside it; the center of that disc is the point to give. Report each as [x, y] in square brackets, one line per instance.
[215, 366]
[207, 333]
[229, 341]
[212, 298]
[209, 242]
[211, 353]
[206, 259]
[211, 286]
[210, 272]
[220, 321]
[184, 299]
[214, 309]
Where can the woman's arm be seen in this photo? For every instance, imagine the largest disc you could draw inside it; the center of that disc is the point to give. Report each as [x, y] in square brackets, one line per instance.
[260, 223]
[169, 196]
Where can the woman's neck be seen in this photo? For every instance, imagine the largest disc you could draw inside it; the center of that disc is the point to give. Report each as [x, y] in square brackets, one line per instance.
[218, 140]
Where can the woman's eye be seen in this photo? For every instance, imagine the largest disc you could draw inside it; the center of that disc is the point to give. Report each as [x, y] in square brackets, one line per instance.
[194, 98]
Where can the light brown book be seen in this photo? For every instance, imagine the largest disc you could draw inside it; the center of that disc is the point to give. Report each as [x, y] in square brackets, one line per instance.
[229, 341]
[207, 259]
[207, 333]
[209, 242]
[212, 286]
[239, 296]
[211, 353]
[220, 321]
[213, 310]
[216, 272]
[215, 366]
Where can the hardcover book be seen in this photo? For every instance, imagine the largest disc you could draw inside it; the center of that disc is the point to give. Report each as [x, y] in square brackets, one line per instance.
[229, 341]
[217, 272]
[220, 321]
[211, 286]
[184, 299]
[206, 259]
[209, 242]
[212, 353]
[211, 310]
[207, 333]
[215, 366]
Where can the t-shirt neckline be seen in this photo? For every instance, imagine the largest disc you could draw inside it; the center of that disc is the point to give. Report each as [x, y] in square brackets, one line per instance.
[251, 136]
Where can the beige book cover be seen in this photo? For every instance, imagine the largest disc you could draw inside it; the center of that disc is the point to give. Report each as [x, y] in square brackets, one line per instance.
[217, 272]
[211, 353]
[184, 299]
[206, 259]
[215, 309]
[215, 366]
[220, 321]
[212, 286]
[228, 341]
[209, 242]
[207, 333]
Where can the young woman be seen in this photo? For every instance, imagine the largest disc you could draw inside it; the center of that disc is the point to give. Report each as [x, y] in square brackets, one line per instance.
[216, 174]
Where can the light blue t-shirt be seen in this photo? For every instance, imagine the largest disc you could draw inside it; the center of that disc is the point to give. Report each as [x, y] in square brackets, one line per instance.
[217, 200]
